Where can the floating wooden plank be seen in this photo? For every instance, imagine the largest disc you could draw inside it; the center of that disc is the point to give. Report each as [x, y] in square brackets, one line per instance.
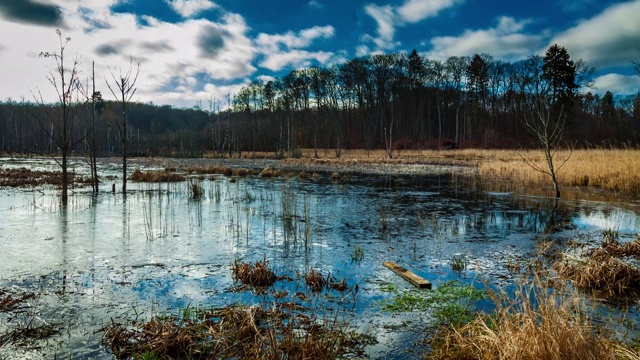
[407, 275]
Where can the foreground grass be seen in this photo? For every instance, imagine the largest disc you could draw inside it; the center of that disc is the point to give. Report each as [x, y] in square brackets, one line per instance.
[535, 324]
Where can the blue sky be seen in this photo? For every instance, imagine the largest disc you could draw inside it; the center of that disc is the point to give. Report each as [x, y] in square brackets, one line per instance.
[194, 50]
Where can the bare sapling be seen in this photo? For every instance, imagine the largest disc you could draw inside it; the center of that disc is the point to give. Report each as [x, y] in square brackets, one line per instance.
[59, 122]
[549, 131]
[123, 87]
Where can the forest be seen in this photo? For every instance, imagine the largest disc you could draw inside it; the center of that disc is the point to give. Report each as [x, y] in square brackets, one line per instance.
[384, 101]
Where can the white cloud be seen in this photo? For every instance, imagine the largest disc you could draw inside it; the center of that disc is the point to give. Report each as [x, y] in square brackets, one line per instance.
[417, 10]
[188, 8]
[608, 39]
[282, 50]
[295, 58]
[617, 84]
[503, 41]
[388, 18]
[172, 57]
[269, 43]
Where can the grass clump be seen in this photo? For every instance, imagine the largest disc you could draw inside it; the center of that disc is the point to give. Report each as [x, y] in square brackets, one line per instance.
[535, 324]
[605, 272]
[156, 176]
[316, 281]
[258, 275]
[458, 263]
[358, 254]
[235, 332]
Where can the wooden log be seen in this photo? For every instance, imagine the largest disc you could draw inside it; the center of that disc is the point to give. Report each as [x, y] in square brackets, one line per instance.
[407, 275]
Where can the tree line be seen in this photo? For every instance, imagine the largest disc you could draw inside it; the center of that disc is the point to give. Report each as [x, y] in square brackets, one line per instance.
[382, 101]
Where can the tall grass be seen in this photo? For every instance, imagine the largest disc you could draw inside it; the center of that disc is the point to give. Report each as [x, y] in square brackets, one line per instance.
[536, 324]
[616, 170]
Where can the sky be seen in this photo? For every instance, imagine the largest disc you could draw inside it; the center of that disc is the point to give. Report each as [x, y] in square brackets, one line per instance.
[193, 51]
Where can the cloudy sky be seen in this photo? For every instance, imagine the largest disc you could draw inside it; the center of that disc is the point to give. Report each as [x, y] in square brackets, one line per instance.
[194, 50]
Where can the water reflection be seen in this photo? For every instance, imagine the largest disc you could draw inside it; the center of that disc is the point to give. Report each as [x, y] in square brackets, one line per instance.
[158, 248]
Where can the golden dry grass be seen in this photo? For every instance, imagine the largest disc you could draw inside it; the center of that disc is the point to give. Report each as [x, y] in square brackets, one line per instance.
[615, 170]
[535, 325]
[604, 272]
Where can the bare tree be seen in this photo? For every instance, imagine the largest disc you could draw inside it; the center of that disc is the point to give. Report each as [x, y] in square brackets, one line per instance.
[59, 123]
[548, 130]
[123, 89]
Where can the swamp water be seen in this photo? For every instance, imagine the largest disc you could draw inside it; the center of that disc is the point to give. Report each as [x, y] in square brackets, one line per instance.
[158, 249]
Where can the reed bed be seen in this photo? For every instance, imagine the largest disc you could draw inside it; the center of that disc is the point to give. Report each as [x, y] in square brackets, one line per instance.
[23, 177]
[614, 170]
[535, 324]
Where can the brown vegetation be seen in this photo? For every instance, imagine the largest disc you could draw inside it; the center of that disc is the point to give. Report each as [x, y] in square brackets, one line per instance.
[24, 177]
[615, 170]
[316, 281]
[235, 332]
[536, 324]
[258, 275]
[156, 176]
[9, 300]
[603, 272]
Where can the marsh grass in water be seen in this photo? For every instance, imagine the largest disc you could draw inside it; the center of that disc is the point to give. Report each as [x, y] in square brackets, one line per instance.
[236, 332]
[458, 263]
[28, 325]
[258, 275]
[536, 323]
[358, 254]
[607, 271]
[156, 176]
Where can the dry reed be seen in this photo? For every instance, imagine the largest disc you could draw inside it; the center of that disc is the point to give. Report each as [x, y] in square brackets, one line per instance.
[536, 324]
[238, 332]
[316, 281]
[603, 273]
[258, 275]
[615, 170]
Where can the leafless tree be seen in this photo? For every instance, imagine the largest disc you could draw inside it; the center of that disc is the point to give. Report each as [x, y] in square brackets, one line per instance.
[59, 122]
[549, 131]
[123, 87]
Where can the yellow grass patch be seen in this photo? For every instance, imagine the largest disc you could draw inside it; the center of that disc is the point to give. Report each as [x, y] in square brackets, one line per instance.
[616, 170]
[535, 325]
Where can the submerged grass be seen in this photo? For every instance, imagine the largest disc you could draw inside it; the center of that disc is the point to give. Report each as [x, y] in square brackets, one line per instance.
[450, 303]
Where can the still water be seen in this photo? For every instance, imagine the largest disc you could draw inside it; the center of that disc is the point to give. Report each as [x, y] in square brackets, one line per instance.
[158, 249]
